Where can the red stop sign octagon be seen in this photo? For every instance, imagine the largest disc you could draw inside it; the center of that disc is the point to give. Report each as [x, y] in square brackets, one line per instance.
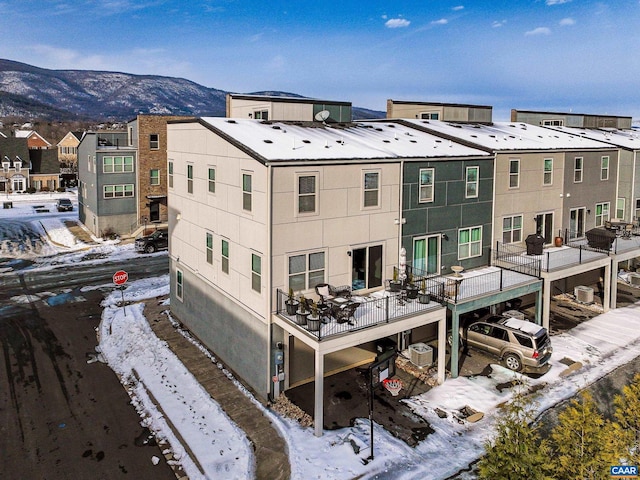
[120, 277]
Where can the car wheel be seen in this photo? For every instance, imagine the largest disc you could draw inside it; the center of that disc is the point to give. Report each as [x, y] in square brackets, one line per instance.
[150, 249]
[512, 362]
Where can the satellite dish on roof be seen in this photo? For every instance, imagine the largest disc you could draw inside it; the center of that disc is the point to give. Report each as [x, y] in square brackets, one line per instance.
[322, 115]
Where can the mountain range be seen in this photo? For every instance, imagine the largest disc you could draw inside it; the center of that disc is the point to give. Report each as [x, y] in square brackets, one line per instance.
[66, 95]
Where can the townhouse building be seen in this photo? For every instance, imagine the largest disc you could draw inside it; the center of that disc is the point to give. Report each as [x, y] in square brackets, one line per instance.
[265, 107]
[68, 157]
[14, 157]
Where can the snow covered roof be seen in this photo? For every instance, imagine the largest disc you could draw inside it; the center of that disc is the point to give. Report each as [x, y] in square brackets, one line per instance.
[287, 141]
[620, 138]
[509, 135]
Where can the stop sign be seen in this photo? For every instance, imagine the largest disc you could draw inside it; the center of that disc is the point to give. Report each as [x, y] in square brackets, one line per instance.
[120, 277]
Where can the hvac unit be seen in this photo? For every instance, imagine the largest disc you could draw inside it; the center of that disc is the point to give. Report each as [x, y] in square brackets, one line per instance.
[513, 314]
[634, 279]
[583, 294]
[421, 354]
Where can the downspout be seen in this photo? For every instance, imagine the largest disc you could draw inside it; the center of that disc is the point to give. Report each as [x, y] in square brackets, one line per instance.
[270, 308]
[400, 338]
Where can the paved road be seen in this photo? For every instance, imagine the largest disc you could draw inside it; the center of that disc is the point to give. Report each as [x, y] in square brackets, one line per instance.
[61, 417]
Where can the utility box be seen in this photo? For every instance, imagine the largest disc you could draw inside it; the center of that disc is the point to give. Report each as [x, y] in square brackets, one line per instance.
[583, 294]
[421, 354]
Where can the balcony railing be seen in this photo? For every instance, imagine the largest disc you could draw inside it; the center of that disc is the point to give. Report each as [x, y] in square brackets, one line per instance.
[377, 308]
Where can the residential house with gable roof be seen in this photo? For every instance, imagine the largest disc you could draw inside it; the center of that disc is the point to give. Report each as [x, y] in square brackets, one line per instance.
[34, 139]
[68, 157]
[14, 158]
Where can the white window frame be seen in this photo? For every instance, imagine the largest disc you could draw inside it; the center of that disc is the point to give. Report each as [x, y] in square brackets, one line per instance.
[208, 246]
[170, 173]
[154, 144]
[552, 123]
[576, 233]
[261, 115]
[510, 229]
[426, 191]
[154, 180]
[621, 206]
[247, 191]
[211, 182]
[604, 169]
[256, 276]
[300, 195]
[578, 169]
[110, 191]
[224, 265]
[547, 175]
[514, 175]
[430, 115]
[309, 274]
[471, 244]
[366, 191]
[604, 215]
[189, 178]
[475, 182]
[120, 164]
[179, 284]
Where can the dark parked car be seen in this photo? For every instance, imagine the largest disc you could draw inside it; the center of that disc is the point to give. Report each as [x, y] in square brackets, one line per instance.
[158, 240]
[518, 343]
[64, 205]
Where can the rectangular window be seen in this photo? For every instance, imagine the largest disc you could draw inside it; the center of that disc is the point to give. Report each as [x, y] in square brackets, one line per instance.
[246, 192]
[179, 284]
[261, 115]
[371, 189]
[602, 213]
[256, 273]
[604, 168]
[118, 191]
[189, 178]
[154, 141]
[427, 176]
[307, 193]
[553, 123]
[637, 209]
[547, 176]
[471, 190]
[577, 170]
[514, 173]
[154, 176]
[306, 271]
[117, 164]
[469, 242]
[209, 247]
[212, 180]
[170, 174]
[512, 229]
[225, 256]
[620, 207]
[576, 222]
[430, 115]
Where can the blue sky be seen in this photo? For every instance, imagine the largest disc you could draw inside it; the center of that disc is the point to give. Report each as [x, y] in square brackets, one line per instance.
[555, 55]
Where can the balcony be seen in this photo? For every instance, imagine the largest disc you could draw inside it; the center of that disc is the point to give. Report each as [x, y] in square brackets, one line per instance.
[372, 310]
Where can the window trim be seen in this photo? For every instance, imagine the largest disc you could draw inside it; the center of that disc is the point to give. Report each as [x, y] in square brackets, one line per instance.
[256, 275]
[114, 164]
[307, 268]
[624, 206]
[124, 191]
[208, 246]
[546, 172]
[156, 141]
[211, 182]
[470, 182]
[604, 171]
[247, 194]
[316, 176]
[225, 259]
[471, 242]
[516, 174]
[603, 216]
[365, 190]
[151, 177]
[179, 284]
[432, 185]
[511, 230]
[190, 178]
[578, 170]
[170, 173]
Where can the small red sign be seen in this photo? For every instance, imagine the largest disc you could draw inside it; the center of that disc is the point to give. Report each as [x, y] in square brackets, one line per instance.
[120, 277]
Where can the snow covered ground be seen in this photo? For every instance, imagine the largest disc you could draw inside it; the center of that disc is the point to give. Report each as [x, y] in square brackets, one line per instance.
[167, 394]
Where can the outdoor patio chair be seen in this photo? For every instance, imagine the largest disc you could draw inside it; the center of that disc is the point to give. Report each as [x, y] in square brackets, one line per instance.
[344, 313]
[327, 292]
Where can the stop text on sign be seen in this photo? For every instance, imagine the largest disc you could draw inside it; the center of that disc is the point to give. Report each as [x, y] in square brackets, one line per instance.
[120, 277]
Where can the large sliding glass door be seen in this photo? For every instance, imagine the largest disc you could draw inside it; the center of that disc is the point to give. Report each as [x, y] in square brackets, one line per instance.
[366, 267]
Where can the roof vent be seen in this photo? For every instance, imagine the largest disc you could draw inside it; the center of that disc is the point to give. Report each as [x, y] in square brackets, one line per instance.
[268, 141]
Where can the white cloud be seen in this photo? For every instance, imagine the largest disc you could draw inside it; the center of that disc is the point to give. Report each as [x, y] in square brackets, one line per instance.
[498, 23]
[557, 2]
[397, 23]
[539, 31]
[442, 21]
[567, 21]
[459, 7]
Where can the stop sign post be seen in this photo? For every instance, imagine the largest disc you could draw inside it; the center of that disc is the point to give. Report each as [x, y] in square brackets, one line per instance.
[120, 278]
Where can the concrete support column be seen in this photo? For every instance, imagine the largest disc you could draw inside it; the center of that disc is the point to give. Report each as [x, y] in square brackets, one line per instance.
[539, 307]
[546, 303]
[614, 283]
[442, 349]
[318, 404]
[455, 344]
[608, 288]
